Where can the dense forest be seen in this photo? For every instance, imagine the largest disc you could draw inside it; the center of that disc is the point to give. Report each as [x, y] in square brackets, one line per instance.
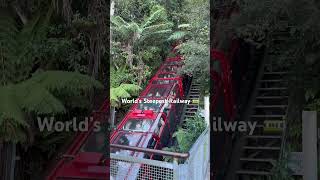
[142, 32]
[53, 56]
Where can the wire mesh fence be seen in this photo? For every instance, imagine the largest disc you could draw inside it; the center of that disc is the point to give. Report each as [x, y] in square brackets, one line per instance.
[137, 168]
[133, 168]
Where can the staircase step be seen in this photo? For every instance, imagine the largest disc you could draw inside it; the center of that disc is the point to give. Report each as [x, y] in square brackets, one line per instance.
[263, 137]
[271, 80]
[194, 93]
[274, 73]
[194, 97]
[190, 108]
[257, 160]
[271, 97]
[271, 106]
[261, 148]
[270, 89]
[267, 116]
[253, 172]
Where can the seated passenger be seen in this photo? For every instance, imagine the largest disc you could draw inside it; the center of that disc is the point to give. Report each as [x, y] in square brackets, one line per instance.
[138, 127]
[145, 125]
[158, 94]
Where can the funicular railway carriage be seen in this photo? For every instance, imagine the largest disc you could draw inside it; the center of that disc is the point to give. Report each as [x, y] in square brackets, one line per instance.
[148, 124]
[151, 122]
[87, 156]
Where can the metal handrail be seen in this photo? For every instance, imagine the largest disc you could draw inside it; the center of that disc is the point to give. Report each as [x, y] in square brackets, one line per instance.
[151, 151]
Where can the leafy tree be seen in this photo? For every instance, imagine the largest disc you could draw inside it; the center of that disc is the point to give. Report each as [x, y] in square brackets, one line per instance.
[196, 47]
[187, 135]
[44, 93]
[34, 43]
[132, 35]
[134, 10]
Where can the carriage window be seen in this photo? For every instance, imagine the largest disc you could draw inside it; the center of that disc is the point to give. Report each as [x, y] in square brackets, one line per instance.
[141, 125]
[160, 124]
[170, 69]
[166, 109]
[97, 141]
[164, 81]
[152, 143]
[156, 92]
[174, 92]
[166, 75]
[149, 106]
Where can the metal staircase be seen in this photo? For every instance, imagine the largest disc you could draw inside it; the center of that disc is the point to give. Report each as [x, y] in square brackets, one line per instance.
[191, 109]
[263, 149]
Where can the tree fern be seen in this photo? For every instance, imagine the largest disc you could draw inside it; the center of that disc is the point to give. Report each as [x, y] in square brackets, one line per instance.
[44, 93]
[123, 91]
[177, 35]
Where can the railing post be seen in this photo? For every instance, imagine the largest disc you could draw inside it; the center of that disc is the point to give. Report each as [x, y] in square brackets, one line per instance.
[176, 171]
[309, 145]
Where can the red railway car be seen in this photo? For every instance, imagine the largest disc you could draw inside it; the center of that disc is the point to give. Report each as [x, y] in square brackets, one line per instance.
[87, 156]
[151, 122]
[148, 124]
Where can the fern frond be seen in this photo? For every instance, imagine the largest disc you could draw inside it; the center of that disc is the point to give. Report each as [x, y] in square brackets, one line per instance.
[118, 21]
[157, 16]
[34, 98]
[157, 27]
[12, 123]
[123, 91]
[177, 35]
[181, 26]
[68, 82]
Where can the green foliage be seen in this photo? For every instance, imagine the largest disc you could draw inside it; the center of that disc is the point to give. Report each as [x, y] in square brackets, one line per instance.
[44, 93]
[281, 170]
[196, 48]
[16, 45]
[155, 24]
[123, 91]
[262, 22]
[134, 10]
[188, 135]
[49, 141]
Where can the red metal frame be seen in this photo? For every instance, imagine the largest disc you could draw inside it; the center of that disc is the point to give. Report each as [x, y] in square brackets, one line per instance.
[90, 165]
[224, 80]
[80, 165]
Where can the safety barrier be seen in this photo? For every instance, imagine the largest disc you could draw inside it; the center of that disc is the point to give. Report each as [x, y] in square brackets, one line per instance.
[196, 166]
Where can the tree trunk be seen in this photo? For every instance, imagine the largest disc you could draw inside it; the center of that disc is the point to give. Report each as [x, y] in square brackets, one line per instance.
[129, 50]
[21, 15]
[113, 116]
[7, 159]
